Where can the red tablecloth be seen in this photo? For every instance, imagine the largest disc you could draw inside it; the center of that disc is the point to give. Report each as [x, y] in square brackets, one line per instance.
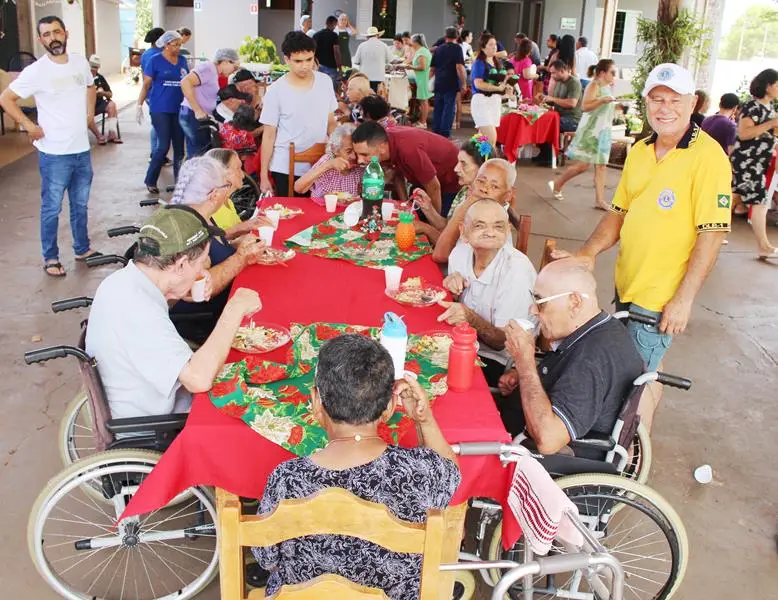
[515, 131]
[214, 449]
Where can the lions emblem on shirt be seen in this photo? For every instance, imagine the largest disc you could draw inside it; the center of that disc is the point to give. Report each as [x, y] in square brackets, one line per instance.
[666, 199]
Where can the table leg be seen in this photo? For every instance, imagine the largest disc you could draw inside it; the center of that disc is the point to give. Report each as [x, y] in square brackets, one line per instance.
[553, 158]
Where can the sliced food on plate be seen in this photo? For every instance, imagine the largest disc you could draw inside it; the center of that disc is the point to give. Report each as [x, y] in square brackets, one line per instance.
[414, 291]
[258, 338]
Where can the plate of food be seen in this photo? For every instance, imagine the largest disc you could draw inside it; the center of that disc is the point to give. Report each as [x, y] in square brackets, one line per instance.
[254, 337]
[284, 212]
[275, 256]
[344, 198]
[416, 292]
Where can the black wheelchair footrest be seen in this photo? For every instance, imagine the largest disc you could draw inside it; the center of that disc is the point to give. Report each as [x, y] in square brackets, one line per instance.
[154, 423]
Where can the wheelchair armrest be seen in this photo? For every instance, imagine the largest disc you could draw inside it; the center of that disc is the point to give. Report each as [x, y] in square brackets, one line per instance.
[105, 259]
[126, 230]
[561, 465]
[594, 441]
[71, 303]
[172, 422]
[52, 352]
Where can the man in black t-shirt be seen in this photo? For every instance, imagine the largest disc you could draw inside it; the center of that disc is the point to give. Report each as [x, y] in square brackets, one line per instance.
[104, 105]
[448, 69]
[328, 50]
[581, 385]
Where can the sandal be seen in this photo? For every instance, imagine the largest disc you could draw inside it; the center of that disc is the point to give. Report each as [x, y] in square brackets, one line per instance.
[83, 257]
[773, 254]
[54, 269]
[117, 141]
[557, 195]
[153, 190]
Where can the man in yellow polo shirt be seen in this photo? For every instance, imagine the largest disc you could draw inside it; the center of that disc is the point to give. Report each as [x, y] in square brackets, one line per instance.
[670, 214]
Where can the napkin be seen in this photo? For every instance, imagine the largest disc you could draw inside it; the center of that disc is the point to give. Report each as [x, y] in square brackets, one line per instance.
[302, 238]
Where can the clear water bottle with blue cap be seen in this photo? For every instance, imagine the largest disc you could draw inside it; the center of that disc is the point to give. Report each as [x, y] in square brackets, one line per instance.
[394, 337]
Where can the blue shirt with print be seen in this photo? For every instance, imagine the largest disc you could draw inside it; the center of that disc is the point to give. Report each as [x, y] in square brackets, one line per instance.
[165, 95]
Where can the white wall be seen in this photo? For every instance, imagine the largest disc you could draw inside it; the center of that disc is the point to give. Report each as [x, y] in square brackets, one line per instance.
[275, 24]
[222, 24]
[647, 8]
[108, 36]
[431, 17]
[552, 17]
[176, 18]
[74, 20]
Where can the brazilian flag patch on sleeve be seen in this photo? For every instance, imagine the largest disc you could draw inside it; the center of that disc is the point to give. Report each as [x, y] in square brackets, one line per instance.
[724, 201]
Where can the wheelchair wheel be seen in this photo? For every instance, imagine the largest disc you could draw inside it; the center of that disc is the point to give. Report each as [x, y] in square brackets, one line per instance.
[633, 522]
[464, 585]
[75, 431]
[82, 554]
[639, 464]
[245, 198]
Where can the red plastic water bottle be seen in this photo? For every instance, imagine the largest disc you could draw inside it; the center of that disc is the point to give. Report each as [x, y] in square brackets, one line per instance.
[461, 358]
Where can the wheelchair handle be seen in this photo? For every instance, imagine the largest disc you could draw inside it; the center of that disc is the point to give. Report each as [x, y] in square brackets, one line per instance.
[478, 448]
[126, 230]
[52, 352]
[674, 381]
[638, 318]
[70, 304]
[149, 202]
[106, 259]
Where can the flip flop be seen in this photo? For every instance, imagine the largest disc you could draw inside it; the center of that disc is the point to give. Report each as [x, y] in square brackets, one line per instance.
[117, 141]
[773, 254]
[83, 257]
[54, 265]
[153, 189]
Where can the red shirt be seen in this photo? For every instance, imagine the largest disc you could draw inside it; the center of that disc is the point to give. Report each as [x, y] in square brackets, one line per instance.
[420, 155]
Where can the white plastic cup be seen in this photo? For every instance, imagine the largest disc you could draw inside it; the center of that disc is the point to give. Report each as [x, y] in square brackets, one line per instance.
[703, 474]
[387, 210]
[274, 216]
[198, 288]
[393, 276]
[266, 234]
[331, 202]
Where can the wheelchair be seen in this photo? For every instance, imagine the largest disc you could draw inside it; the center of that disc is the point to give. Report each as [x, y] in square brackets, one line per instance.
[73, 536]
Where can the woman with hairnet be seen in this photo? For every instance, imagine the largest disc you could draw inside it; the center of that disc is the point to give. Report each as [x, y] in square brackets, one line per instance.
[162, 84]
[200, 89]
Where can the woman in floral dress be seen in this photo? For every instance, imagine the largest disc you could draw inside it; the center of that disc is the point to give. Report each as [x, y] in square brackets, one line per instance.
[352, 405]
[592, 142]
[752, 153]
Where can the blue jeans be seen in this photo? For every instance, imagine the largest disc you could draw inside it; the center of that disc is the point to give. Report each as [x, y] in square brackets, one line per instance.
[60, 173]
[567, 124]
[443, 115]
[197, 139]
[651, 344]
[168, 130]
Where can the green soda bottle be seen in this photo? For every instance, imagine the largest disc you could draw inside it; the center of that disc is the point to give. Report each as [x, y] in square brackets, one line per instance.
[372, 188]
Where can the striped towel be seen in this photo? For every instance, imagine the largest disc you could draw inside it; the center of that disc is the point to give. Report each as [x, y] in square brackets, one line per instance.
[539, 505]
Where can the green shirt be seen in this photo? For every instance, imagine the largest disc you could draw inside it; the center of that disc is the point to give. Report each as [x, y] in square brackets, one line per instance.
[565, 90]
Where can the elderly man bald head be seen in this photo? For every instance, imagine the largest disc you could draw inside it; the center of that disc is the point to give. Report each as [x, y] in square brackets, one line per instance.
[579, 388]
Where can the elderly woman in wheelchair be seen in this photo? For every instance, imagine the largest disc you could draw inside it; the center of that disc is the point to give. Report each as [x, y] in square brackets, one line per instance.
[354, 393]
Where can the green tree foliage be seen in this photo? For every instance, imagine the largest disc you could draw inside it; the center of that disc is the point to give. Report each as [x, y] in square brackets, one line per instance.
[753, 33]
[143, 18]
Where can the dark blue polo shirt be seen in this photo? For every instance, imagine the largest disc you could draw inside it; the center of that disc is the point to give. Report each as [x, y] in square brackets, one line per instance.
[445, 61]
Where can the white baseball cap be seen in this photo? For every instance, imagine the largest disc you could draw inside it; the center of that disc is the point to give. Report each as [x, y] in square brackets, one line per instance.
[676, 78]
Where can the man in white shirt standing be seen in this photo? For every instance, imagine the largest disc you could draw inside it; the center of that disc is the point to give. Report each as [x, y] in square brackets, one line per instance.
[584, 58]
[491, 281]
[299, 108]
[65, 97]
[372, 57]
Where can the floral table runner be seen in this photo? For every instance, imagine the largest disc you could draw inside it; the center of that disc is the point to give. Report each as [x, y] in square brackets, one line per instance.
[274, 398]
[334, 239]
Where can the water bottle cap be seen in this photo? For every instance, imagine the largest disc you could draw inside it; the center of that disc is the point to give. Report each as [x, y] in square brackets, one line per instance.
[394, 326]
[406, 217]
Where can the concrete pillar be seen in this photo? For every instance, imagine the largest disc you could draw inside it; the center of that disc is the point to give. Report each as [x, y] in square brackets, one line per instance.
[158, 13]
[710, 13]
[608, 25]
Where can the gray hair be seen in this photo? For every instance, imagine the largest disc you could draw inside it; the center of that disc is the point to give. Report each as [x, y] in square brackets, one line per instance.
[223, 54]
[337, 137]
[167, 37]
[198, 178]
[419, 38]
[508, 169]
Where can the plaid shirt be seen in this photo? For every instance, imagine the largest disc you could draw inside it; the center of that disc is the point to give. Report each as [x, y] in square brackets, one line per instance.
[331, 181]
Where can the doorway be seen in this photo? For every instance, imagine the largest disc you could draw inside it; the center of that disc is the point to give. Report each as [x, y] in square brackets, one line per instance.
[506, 18]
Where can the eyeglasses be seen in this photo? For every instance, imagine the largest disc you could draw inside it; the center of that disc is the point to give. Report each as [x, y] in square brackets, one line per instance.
[539, 300]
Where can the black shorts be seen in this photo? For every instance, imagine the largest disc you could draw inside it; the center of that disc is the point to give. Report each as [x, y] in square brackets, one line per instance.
[101, 106]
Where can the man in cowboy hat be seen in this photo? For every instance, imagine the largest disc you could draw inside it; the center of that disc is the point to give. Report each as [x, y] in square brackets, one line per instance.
[372, 57]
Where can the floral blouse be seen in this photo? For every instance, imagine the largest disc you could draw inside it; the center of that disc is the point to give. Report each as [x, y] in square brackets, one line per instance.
[408, 481]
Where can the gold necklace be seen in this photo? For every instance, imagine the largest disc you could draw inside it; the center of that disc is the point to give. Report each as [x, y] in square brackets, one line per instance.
[354, 438]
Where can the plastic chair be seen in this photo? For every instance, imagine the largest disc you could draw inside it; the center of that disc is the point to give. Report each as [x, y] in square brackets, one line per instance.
[329, 511]
[311, 155]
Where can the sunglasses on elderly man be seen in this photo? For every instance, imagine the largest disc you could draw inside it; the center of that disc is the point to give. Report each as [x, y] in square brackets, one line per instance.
[540, 300]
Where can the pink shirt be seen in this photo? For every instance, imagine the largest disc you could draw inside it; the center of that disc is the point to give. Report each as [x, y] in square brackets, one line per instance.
[332, 181]
[525, 85]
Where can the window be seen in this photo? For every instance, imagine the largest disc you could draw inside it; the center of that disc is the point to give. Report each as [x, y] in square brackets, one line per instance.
[385, 16]
[625, 32]
[618, 32]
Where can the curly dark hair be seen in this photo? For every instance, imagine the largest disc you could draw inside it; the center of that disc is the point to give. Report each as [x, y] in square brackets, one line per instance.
[297, 41]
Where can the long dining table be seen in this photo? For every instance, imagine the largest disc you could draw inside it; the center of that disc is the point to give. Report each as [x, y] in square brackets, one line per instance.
[216, 449]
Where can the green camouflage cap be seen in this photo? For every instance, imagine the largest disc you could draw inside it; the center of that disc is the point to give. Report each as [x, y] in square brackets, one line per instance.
[173, 230]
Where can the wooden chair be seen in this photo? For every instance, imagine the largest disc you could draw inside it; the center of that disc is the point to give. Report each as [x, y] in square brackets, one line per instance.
[548, 248]
[311, 155]
[522, 235]
[330, 511]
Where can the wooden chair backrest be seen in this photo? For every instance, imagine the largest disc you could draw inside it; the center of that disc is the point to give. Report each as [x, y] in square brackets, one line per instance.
[522, 235]
[548, 248]
[328, 512]
[311, 155]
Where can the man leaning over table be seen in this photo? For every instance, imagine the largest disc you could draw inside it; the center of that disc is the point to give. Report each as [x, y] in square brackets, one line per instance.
[422, 158]
[670, 214]
[145, 366]
[298, 108]
[580, 386]
[491, 282]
